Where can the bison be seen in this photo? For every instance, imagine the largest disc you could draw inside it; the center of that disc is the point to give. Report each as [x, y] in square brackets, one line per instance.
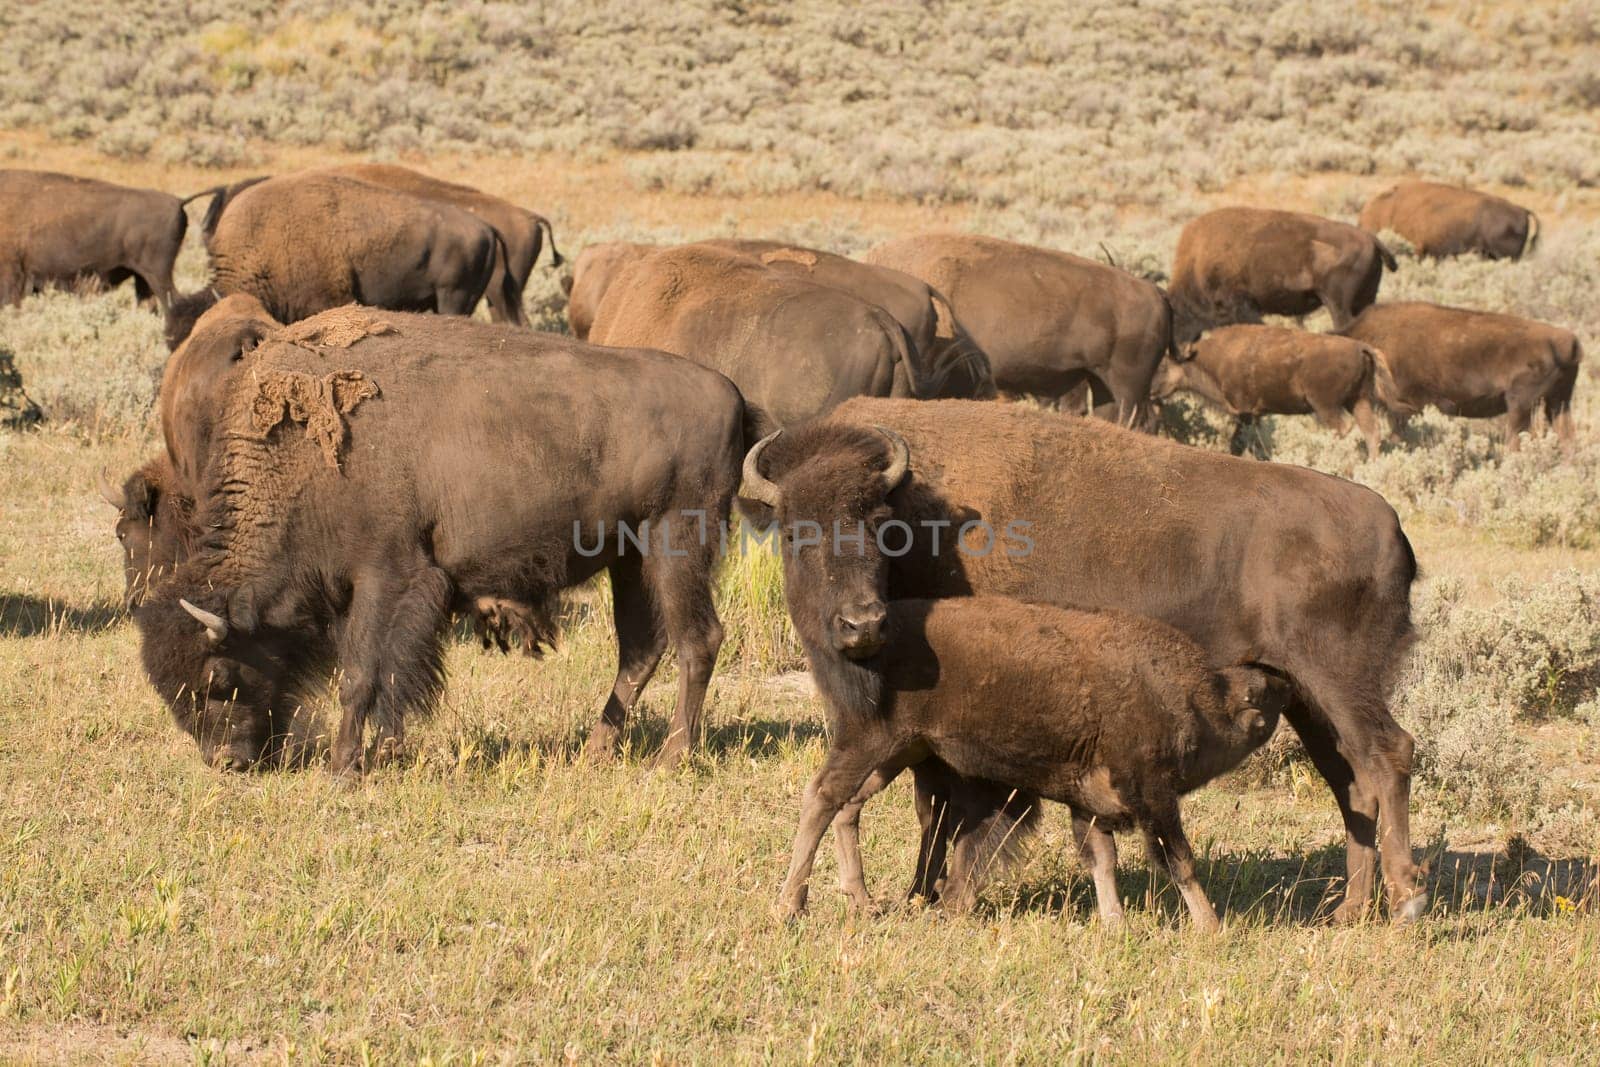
[1048, 321]
[1267, 370]
[58, 230]
[155, 525]
[362, 489]
[596, 267]
[521, 231]
[1448, 220]
[1475, 363]
[1301, 572]
[304, 243]
[1239, 263]
[794, 348]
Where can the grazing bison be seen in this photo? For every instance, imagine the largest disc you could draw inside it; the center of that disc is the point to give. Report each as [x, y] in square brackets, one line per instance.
[521, 230]
[1048, 321]
[596, 267]
[793, 347]
[1239, 263]
[1448, 220]
[1267, 370]
[1474, 363]
[1276, 565]
[58, 230]
[304, 243]
[947, 349]
[379, 471]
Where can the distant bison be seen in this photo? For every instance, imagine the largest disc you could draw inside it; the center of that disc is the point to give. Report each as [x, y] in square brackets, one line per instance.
[596, 267]
[1239, 263]
[1048, 321]
[1258, 562]
[1448, 220]
[795, 348]
[304, 243]
[381, 471]
[1475, 363]
[522, 231]
[1267, 370]
[58, 230]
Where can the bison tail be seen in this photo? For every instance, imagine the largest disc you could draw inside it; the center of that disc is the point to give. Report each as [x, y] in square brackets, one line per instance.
[215, 190]
[543, 223]
[1533, 234]
[1380, 378]
[1387, 256]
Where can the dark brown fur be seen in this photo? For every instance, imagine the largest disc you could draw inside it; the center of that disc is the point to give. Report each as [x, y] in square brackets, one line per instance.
[303, 243]
[1299, 571]
[440, 503]
[155, 526]
[1448, 220]
[1048, 321]
[59, 230]
[1475, 363]
[1236, 264]
[1268, 370]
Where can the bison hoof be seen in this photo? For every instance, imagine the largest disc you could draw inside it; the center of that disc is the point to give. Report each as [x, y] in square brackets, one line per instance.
[790, 910]
[601, 747]
[1411, 909]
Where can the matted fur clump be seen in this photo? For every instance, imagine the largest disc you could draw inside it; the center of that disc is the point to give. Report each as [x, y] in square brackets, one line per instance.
[318, 404]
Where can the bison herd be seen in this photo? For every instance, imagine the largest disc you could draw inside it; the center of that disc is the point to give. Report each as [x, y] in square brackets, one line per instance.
[1012, 604]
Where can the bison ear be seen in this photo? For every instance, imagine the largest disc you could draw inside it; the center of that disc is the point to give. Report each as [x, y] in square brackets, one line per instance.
[138, 496]
[251, 335]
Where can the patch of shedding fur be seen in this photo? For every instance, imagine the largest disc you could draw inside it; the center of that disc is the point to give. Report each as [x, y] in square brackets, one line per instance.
[318, 404]
[801, 256]
[339, 328]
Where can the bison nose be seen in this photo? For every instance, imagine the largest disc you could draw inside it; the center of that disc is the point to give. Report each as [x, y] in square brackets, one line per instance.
[230, 758]
[858, 630]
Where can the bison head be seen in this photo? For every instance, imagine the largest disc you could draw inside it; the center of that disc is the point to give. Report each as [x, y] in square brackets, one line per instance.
[826, 487]
[150, 526]
[225, 685]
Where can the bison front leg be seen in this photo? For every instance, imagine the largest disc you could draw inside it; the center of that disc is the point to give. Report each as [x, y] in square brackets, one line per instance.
[1098, 850]
[847, 767]
[640, 644]
[390, 658]
[847, 839]
[1165, 839]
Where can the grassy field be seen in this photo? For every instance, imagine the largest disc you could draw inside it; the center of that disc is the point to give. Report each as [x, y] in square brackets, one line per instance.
[492, 899]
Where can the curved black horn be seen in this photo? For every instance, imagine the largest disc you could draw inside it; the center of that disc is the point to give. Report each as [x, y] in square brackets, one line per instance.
[756, 485]
[899, 459]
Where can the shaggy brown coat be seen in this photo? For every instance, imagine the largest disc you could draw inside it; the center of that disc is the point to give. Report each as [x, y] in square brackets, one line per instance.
[1114, 715]
[794, 348]
[364, 491]
[1268, 370]
[1239, 263]
[303, 243]
[1448, 220]
[1048, 321]
[1475, 363]
[60, 230]
[1257, 562]
[155, 525]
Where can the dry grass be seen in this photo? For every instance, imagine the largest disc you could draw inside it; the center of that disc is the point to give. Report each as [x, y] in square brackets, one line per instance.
[492, 900]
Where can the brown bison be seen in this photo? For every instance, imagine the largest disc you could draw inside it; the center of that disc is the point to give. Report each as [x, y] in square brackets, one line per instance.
[1267, 370]
[58, 230]
[1114, 715]
[1448, 220]
[1301, 572]
[364, 491]
[596, 267]
[793, 347]
[304, 243]
[1474, 363]
[1048, 321]
[1239, 263]
[522, 231]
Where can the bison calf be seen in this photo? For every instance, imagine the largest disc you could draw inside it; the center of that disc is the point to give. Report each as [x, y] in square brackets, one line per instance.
[1112, 714]
[1268, 370]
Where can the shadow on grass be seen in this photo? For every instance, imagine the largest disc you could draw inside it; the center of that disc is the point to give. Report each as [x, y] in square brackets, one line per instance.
[1298, 890]
[28, 616]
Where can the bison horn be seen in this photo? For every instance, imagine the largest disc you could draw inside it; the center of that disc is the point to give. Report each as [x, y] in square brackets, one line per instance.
[899, 459]
[756, 485]
[113, 495]
[216, 626]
